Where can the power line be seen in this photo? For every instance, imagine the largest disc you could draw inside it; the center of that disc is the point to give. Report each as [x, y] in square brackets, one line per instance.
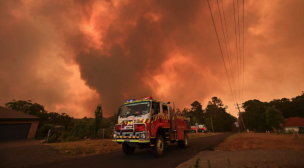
[225, 42]
[243, 50]
[237, 52]
[238, 9]
[230, 58]
[220, 47]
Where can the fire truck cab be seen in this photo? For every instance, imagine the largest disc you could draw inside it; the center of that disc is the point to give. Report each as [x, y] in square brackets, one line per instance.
[150, 123]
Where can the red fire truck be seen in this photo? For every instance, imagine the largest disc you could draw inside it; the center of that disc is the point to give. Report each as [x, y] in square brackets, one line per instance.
[199, 128]
[150, 123]
[202, 128]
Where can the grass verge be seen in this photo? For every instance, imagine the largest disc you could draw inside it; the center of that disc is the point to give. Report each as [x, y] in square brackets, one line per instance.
[86, 147]
[196, 135]
[90, 147]
[246, 141]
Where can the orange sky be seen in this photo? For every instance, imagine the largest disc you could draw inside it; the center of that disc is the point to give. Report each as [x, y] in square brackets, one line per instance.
[72, 55]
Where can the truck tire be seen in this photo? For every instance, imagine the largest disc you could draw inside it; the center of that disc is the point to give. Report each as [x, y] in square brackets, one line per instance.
[183, 143]
[159, 146]
[127, 150]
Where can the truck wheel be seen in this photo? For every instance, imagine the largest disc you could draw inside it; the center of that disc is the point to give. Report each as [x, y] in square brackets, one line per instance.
[183, 143]
[159, 146]
[127, 150]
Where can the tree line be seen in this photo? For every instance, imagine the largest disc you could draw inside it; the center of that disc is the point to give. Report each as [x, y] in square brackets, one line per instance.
[214, 114]
[64, 127]
[262, 116]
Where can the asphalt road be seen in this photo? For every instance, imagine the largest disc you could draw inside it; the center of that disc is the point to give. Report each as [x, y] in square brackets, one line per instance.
[173, 156]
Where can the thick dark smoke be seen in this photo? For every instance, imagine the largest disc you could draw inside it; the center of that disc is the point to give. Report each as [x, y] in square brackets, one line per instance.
[72, 55]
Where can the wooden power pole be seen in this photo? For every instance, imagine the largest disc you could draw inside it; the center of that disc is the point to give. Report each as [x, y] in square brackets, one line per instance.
[240, 116]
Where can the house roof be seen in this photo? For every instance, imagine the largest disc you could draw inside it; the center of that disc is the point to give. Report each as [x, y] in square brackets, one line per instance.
[294, 122]
[9, 114]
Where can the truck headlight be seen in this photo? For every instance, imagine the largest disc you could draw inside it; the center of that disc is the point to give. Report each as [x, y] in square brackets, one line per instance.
[114, 136]
[142, 136]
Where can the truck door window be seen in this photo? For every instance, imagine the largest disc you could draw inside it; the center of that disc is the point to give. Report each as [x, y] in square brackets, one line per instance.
[165, 109]
[155, 107]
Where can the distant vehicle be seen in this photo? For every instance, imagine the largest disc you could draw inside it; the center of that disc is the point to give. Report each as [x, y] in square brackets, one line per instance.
[200, 128]
[193, 129]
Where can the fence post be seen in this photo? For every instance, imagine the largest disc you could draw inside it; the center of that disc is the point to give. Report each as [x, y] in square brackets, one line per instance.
[47, 140]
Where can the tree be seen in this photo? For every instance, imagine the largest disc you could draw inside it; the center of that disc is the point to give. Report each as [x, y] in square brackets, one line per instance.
[98, 120]
[38, 110]
[26, 107]
[197, 111]
[208, 124]
[114, 119]
[274, 118]
[255, 115]
[222, 121]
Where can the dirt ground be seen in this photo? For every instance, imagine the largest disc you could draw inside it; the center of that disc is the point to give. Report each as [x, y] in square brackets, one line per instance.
[257, 158]
[86, 147]
[253, 150]
[246, 141]
[90, 147]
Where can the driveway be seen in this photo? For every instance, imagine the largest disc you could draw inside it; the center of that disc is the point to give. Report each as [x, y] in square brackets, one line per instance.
[19, 143]
[20, 153]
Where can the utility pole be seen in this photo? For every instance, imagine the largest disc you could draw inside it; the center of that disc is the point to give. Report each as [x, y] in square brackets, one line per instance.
[240, 116]
[212, 125]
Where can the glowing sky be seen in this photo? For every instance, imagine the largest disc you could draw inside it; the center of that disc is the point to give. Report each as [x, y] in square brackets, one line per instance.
[72, 55]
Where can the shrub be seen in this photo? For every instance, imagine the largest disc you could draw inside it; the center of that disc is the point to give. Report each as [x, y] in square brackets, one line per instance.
[53, 138]
[64, 136]
[83, 128]
[108, 133]
[70, 139]
[42, 132]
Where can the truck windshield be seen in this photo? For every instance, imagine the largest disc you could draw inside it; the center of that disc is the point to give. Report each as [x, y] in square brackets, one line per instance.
[140, 108]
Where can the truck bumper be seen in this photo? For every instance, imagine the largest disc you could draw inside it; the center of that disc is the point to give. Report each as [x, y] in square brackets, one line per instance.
[132, 140]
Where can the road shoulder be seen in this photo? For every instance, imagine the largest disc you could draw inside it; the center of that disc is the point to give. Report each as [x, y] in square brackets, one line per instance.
[247, 158]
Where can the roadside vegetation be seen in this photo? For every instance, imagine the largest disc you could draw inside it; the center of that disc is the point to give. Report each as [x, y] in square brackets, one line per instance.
[197, 135]
[215, 113]
[247, 141]
[99, 146]
[64, 128]
[264, 116]
[86, 147]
